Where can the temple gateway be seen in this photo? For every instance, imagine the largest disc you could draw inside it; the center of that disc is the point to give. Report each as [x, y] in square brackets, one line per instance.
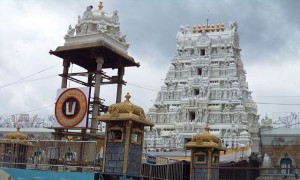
[205, 85]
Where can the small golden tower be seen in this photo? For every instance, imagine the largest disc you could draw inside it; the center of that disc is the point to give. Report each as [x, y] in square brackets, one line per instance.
[218, 27]
[222, 27]
[205, 155]
[100, 6]
[14, 148]
[199, 28]
[194, 29]
[124, 136]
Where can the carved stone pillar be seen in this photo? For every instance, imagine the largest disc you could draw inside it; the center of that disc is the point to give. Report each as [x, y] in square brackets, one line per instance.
[64, 81]
[66, 65]
[126, 148]
[120, 80]
[96, 105]
[58, 134]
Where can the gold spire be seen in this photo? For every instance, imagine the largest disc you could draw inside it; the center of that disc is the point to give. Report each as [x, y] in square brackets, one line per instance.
[222, 27]
[208, 27]
[194, 29]
[207, 129]
[199, 28]
[127, 97]
[213, 28]
[100, 6]
[218, 27]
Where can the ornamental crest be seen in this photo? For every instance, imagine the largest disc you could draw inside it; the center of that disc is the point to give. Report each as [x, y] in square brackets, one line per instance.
[71, 107]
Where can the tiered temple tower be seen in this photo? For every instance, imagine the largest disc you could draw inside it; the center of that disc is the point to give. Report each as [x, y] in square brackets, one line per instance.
[205, 84]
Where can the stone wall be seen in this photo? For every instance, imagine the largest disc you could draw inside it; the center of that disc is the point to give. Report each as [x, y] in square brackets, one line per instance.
[199, 172]
[277, 152]
[134, 159]
[114, 157]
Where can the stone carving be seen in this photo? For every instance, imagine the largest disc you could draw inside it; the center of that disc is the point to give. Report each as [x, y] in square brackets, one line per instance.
[88, 13]
[180, 38]
[71, 31]
[115, 17]
[95, 21]
[26, 121]
[266, 122]
[78, 30]
[102, 26]
[250, 94]
[204, 39]
[234, 34]
[84, 28]
[122, 38]
[183, 30]
[233, 26]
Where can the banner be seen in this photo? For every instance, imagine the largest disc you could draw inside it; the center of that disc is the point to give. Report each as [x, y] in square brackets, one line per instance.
[71, 107]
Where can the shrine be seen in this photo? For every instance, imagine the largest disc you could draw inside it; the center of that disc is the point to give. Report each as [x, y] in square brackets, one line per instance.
[125, 124]
[205, 155]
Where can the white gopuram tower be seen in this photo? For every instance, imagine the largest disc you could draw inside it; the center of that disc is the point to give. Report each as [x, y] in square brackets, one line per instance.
[205, 84]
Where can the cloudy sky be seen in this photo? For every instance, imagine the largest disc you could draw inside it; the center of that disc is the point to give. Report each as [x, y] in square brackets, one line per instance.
[269, 39]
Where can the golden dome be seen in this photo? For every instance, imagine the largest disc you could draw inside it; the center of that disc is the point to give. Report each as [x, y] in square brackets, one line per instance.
[194, 29]
[17, 135]
[17, 138]
[125, 111]
[127, 107]
[222, 27]
[205, 139]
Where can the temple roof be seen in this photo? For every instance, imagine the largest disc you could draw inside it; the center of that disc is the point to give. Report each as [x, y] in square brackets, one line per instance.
[93, 22]
[125, 111]
[205, 140]
[80, 54]
[17, 135]
[96, 34]
[17, 138]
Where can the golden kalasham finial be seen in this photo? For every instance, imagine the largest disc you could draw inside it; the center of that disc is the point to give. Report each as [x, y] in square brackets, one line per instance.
[213, 28]
[208, 28]
[207, 129]
[199, 28]
[222, 27]
[194, 29]
[218, 27]
[127, 97]
[100, 6]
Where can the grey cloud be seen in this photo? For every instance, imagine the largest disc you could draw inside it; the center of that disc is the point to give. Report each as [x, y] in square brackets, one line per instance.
[268, 31]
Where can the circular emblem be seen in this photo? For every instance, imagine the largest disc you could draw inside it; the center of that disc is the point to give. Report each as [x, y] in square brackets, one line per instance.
[70, 107]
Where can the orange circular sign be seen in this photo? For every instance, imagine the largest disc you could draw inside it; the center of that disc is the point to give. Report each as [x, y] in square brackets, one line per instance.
[70, 107]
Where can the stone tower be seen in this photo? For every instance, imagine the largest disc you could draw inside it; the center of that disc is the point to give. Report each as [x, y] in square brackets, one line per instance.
[125, 124]
[205, 83]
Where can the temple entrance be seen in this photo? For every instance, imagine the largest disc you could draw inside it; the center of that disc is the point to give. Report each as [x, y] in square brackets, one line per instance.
[285, 165]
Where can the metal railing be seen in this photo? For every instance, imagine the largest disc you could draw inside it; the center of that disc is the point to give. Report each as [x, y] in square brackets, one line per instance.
[163, 168]
[83, 156]
[169, 172]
